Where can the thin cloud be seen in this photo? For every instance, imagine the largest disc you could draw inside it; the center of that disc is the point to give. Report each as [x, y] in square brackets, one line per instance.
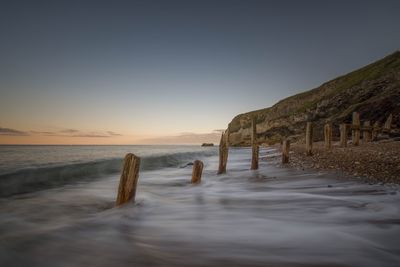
[113, 133]
[45, 133]
[69, 131]
[12, 132]
[77, 133]
[97, 134]
[186, 134]
[91, 135]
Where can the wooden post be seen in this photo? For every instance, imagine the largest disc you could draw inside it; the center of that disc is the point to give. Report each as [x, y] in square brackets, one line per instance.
[375, 130]
[388, 124]
[254, 145]
[254, 157]
[356, 129]
[197, 171]
[309, 138]
[128, 180]
[223, 152]
[328, 136]
[285, 151]
[367, 135]
[343, 135]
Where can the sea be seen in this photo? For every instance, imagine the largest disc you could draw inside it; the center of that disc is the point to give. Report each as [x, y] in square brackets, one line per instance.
[57, 208]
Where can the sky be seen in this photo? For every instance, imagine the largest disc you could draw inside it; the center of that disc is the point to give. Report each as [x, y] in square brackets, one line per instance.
[127, 72]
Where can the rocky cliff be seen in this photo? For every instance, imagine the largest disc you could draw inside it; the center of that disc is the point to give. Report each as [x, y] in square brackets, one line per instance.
[373, 90]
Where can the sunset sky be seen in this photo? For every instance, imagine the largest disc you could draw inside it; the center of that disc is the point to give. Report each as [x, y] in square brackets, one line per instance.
[125, 72]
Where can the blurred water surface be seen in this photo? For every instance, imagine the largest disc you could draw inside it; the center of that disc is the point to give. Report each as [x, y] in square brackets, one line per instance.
[274, 216]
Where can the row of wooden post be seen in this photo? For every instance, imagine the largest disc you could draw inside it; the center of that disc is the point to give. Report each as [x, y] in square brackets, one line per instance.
[255, 148]
[369, 132]
[130, 172]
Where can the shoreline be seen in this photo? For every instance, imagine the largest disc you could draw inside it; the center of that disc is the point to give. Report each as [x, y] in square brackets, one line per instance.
[374, 162]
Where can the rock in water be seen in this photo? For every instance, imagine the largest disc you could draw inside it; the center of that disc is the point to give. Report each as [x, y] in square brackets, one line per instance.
[207, 144]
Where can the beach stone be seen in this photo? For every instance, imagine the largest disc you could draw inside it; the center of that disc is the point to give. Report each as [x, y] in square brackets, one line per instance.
[382, 137]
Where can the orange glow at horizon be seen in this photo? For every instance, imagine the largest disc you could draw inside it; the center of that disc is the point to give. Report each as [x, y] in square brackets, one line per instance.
[188, 138]
[67, 140]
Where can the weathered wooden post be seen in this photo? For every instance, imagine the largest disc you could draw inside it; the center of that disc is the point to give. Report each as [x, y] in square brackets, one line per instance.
[285, 151]
[254, 145]
[375, 130]
[356, 129]
[128, 180]
[328, 135]
[309, 138]
[388, 124]
[223, 152]
[197, 171]
[343, 134]
[367, 135]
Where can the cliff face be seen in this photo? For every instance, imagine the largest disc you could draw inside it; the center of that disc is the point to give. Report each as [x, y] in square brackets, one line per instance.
[373, 91]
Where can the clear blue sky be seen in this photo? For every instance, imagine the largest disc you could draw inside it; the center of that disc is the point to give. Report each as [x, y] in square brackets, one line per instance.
[153, 68]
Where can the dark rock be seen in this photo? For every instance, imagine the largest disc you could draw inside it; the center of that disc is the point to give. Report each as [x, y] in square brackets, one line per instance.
[394, 133]
[207, 144]
[381, 137]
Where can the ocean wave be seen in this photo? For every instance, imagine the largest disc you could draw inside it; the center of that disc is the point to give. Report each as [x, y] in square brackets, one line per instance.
[33, 179]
